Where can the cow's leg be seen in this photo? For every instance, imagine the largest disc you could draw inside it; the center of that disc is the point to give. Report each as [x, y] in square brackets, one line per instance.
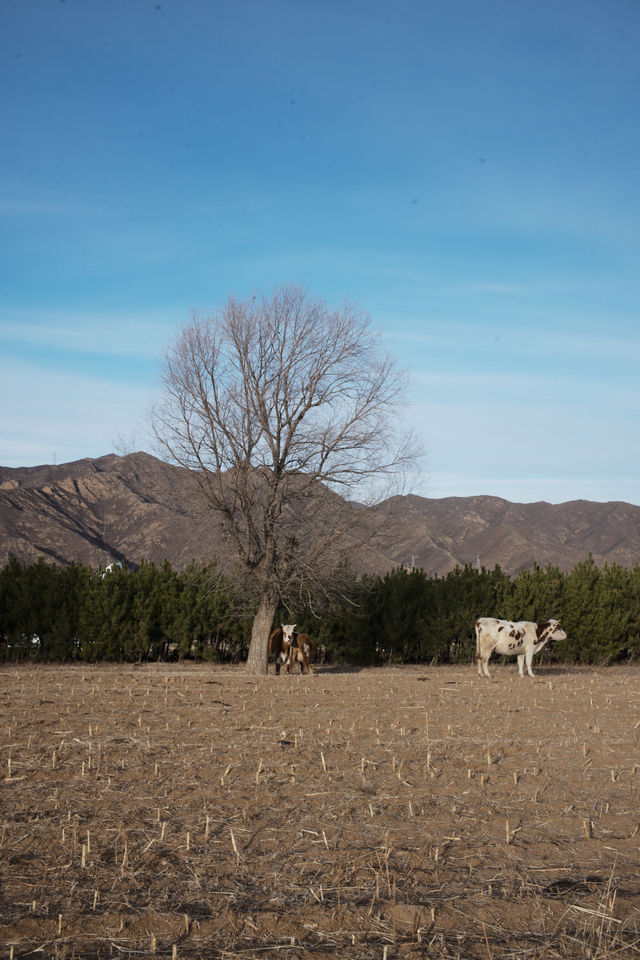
[292, 658]
[481, 660]
[306, 653]
[305, 666]
[521, 664]
[483, 663]
[478, 655]
[484, 652]
[529, 658]
[282, 659]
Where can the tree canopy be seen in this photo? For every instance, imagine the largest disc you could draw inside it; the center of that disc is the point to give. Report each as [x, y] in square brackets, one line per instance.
[274, 404]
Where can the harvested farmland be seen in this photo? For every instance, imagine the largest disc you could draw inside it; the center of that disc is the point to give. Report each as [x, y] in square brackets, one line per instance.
[195, 811]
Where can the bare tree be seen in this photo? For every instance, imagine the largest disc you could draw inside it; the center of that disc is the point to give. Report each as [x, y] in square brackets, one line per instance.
[276, 405]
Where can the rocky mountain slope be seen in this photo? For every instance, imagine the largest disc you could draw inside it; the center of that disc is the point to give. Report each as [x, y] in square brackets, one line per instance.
[137, 507]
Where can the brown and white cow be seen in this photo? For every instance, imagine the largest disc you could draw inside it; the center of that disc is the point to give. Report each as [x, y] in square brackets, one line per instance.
[521, 639]
[289, 647]
[280, 643]
[303, 650]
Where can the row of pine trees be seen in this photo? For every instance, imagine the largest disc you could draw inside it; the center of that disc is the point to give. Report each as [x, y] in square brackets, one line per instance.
[53, 613]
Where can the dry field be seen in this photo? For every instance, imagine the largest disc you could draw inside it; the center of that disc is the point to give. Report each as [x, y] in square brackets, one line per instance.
[192, 811]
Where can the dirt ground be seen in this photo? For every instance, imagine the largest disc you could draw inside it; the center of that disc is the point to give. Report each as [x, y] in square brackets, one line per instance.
[194, 811]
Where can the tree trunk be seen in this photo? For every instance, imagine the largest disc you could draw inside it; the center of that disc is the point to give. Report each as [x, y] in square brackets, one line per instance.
[258, 659]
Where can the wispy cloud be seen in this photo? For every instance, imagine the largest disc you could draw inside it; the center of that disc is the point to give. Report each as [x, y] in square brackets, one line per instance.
[49, 414]
[522, 345]
[124, 334]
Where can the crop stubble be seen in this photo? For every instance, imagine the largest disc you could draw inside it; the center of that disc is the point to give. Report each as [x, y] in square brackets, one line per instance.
[194, 811]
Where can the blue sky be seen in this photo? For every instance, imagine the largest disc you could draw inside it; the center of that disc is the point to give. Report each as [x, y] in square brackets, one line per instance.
[467, 172]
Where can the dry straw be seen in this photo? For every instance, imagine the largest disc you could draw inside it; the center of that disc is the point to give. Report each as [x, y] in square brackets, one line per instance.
[391, 823]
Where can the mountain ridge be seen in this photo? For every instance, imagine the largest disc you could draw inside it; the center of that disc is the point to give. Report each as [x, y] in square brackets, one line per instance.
[136, 507]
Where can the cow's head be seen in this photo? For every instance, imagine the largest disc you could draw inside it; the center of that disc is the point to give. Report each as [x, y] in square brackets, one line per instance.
[288, 632]
[551, 630]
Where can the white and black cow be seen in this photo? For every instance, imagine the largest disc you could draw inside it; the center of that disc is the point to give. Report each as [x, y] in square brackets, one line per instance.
[521, 639]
